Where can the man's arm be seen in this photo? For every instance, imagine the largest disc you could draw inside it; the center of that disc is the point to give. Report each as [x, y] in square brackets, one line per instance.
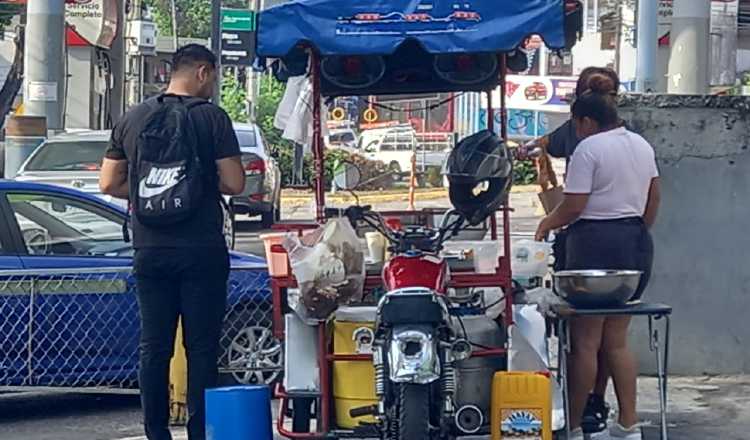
[227, 155]
[654, 200]
[113, 179]
[231, 175]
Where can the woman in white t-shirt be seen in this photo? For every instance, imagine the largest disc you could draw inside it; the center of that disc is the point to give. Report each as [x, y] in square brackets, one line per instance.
[611, 200]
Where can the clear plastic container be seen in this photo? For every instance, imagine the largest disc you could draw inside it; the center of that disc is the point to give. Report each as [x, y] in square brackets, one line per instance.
[484, 254]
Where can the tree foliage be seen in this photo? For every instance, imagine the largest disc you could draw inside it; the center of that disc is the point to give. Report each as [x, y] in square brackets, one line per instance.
[193, 16]
[234, 98]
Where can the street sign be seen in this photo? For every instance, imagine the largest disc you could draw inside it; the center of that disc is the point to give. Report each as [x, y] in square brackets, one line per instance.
[237, 37]
[237, 48]
[237, 20]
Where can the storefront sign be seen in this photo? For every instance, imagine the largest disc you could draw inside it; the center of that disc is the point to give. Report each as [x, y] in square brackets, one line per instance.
[539, 93]
[94, 20]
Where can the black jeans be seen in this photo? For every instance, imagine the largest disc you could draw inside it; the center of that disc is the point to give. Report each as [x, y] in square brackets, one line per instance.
[622, 244]
[191, 283]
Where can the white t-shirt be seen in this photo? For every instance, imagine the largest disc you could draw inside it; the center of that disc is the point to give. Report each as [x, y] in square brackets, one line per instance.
[615, 168]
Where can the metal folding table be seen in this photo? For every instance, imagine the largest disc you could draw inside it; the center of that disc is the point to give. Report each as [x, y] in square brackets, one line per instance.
[654, 312]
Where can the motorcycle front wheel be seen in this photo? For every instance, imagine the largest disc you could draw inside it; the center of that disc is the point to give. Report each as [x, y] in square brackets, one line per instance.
[413, 412]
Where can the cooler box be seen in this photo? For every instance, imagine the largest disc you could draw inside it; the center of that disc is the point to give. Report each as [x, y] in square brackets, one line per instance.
[353, 381]
[521, 406]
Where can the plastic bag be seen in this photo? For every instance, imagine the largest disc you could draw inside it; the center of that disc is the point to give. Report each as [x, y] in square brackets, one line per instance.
[529, 351]
[530, 259]
[545, 299]
[329, 265]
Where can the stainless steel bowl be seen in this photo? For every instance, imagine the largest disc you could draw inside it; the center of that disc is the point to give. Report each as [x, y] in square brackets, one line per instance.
[596, 288]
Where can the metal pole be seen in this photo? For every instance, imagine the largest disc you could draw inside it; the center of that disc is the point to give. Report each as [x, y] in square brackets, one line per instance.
[618, 40]
[216, 46]
[647, 39]
[175, 38]
[43, 61]
[135, 62]
[688, 61]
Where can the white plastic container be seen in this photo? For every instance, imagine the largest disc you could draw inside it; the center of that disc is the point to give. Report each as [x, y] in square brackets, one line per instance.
[376, 245]
[530, 259]
[484, 254]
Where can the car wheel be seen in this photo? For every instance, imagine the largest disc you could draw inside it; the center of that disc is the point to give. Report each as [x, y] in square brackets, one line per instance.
[395, 170]
[252, 355]
[230, 233]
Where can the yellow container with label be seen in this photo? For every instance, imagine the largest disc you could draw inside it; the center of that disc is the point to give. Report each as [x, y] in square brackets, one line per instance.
[353, 381]
[521, 406]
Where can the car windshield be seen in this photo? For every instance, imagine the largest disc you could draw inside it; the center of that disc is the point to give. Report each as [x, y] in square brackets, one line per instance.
[346, 136]
[247, 139]
[68, 156]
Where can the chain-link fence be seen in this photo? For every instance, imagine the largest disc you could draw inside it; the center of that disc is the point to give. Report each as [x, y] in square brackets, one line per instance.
[80, 328]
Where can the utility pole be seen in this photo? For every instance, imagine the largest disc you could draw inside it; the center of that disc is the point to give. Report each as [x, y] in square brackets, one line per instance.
[647, 40]
[618, 37]
[135, 62]
[175, 37]
[688, 62]
[43, 61]
[216, 47]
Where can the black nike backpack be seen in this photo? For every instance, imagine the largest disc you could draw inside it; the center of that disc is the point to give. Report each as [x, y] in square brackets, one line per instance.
[166, 177]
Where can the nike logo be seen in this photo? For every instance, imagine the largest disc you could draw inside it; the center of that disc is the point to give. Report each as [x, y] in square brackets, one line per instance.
[158, 181]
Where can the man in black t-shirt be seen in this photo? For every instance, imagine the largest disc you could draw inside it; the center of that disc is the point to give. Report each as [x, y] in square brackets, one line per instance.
[181, 270]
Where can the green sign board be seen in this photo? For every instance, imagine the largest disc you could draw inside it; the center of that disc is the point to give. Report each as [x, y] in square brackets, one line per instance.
[237, 20]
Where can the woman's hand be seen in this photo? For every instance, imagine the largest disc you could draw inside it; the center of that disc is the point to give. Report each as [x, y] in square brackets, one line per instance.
[542, 231]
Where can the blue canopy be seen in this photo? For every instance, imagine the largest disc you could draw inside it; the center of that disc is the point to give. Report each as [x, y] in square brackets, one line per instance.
[379, 27]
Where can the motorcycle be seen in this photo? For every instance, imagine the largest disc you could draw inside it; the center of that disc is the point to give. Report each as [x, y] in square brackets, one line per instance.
[418, 342]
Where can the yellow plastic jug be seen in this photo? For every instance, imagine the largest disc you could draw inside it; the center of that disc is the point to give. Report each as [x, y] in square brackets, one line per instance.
[521, 406]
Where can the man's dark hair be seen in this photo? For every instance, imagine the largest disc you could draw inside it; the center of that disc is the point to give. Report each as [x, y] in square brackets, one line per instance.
[191, 55]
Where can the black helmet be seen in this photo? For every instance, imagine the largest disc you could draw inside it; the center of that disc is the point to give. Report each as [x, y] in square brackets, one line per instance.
[479, 158]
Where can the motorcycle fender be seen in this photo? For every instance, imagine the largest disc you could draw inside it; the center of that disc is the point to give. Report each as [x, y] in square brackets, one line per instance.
[413, 356]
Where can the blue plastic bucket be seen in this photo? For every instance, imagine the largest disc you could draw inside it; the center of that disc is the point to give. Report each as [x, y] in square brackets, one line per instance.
[239, 413]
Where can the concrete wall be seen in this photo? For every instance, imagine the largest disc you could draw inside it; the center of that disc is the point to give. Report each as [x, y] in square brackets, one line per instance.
[702, 238]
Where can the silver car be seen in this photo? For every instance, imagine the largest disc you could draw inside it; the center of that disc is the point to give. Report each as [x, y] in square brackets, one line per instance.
[73, 160]
[262, 195]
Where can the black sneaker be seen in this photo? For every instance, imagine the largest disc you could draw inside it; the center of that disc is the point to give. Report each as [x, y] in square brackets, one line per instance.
[595, 415]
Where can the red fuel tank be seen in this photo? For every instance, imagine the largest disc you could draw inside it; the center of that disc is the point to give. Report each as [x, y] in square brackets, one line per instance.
[426, 271]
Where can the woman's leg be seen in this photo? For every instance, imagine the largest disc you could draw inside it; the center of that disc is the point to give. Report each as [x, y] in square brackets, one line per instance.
[623, 367]
[602, 374]
[586, 336]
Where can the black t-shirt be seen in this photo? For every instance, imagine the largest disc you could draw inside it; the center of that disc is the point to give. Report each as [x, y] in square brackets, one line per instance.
[216, 140]
[564, 140]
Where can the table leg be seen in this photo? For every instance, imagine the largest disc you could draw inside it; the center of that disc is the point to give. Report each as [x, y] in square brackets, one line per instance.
[660, 372]
[562, 361]
[665, 375]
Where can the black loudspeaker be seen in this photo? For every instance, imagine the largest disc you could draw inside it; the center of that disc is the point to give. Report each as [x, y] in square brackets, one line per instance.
[409, 70]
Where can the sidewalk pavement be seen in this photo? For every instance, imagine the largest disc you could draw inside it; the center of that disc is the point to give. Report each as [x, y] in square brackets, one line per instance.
[700, 408]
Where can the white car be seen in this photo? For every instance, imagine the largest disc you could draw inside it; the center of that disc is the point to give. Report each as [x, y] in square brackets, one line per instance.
[395, 146]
